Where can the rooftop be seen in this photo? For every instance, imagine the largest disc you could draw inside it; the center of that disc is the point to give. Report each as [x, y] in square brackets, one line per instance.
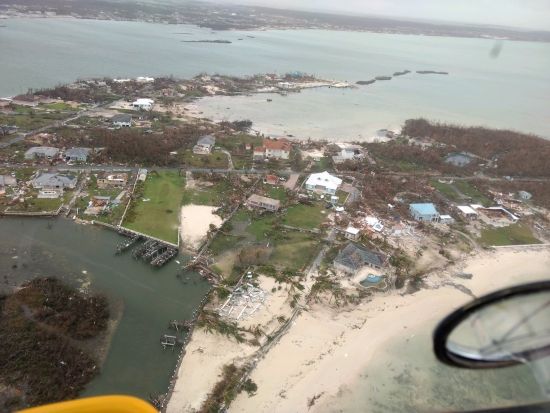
[352, 230]
[277, 144]
[77, 152]
[324, 179]
[424, 209]
[43, 150]
[207, 140]
[465, 209]
[356, 256]
[54, 179]
[7, 180]
[122, 117]
[258, 199]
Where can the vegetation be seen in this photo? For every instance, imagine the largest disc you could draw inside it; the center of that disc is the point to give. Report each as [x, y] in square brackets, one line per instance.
[327, 286]
[461, 190]
[515, 234]
[514, 153]
[216, 160]
[305, 216]
[211, 322]
[43, 327]
[294, 251]
[31, 119]
[130, 145]
[399, 155]
[156, 211]
[214, 195]
[225, 391]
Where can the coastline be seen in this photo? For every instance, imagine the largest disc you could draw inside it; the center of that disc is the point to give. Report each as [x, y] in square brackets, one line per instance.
[326, 350]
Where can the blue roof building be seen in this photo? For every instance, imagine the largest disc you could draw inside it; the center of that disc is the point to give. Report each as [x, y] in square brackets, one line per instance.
[424, 212]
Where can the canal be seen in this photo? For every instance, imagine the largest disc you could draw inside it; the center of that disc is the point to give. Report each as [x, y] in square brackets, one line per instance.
[144, 299]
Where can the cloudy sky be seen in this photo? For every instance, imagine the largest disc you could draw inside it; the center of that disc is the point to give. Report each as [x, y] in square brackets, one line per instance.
[532, 14]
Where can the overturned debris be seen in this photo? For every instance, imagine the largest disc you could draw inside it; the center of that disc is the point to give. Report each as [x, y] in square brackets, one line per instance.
[243, 302]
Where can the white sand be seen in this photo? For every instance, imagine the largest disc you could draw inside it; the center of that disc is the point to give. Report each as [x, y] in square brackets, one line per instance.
[326, 351]
[206, 354]
[195, 222]
[201, 368]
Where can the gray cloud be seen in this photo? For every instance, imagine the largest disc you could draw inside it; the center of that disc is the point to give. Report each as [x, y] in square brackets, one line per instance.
[532, 14]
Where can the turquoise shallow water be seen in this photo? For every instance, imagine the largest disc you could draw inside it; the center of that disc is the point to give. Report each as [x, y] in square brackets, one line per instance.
[405, 376]
[510, 91]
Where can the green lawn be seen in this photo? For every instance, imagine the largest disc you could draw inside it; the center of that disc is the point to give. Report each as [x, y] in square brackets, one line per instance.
[464, 187]
[276, 192]
[516, 234]
[324, 164]
[305, 216]
[261, 228]
[242, 161]
[159, 216]
[232, 143]
[213, 195]
[446, 189]
[31, 120]
[467, 189]
[57, 106]
[294, 251]
[215, 160]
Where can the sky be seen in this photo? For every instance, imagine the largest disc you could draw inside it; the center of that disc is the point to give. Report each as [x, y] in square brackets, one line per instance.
[526, 14]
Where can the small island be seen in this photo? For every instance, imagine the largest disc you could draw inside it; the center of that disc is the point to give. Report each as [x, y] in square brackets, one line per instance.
[365, 82]
[431, 72]
[404, 72]
[208, 41]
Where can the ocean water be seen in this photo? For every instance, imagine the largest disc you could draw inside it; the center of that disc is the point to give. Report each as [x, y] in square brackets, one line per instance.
[405, 376]
[510, 91]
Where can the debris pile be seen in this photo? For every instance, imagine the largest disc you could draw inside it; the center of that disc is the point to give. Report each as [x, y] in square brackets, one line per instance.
[243, 302]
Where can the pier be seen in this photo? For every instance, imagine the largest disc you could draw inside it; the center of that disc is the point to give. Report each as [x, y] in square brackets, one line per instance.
[153, 251]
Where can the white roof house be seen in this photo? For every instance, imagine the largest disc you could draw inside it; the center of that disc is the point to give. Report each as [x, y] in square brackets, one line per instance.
[323, 182]
[143, 103]
[467, 210]
[352, 233]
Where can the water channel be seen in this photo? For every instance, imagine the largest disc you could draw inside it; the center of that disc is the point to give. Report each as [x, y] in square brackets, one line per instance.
[145, 299]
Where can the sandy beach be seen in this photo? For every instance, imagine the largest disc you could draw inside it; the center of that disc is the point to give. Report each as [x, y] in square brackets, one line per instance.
[207, 353]
[326, 351]
[195, 222]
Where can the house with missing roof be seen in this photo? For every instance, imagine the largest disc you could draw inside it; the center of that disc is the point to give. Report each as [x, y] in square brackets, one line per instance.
[273, 149]
[77, 154]
[263, 202]
[425, 212]
[323, 182]
[354, 257]
[109, 181]
[41, 152]
[352, 233]
[204, 145]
